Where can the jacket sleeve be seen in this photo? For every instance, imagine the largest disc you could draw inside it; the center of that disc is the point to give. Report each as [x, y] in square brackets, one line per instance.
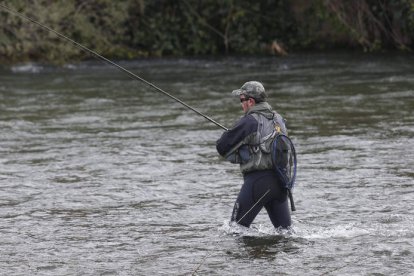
[243, 128]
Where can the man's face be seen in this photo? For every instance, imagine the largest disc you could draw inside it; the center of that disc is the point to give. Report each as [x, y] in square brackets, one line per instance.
[246, 102]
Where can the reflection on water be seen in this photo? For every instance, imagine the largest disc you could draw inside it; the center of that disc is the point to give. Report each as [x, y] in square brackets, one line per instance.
[100, 174]
[269, 247]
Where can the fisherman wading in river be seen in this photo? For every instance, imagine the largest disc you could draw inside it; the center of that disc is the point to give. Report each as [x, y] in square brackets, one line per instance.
[248, 144]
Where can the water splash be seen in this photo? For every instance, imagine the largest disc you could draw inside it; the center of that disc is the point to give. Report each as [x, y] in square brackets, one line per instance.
[349, 230]
[259, 230]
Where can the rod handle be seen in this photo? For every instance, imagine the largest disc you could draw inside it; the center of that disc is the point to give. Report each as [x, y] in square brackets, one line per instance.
[292, 202]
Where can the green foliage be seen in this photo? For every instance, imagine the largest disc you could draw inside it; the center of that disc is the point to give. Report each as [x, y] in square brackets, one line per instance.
[376, 24]
[98, 24]
[133, 28]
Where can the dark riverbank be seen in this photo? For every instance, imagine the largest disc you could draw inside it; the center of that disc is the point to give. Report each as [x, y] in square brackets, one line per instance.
[132, 29]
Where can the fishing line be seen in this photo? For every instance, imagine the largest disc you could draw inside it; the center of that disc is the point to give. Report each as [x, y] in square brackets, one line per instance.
[254, 205]
[209, 254]
[133, 76]
[98, 56]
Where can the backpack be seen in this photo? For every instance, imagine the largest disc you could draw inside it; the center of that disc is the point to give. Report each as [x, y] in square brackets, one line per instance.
[284, 162]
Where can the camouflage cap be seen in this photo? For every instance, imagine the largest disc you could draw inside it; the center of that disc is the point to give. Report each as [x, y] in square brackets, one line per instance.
[252, 89]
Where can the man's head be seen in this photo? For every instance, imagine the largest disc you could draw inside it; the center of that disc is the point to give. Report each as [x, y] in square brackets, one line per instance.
[252, 89]
[250, 93]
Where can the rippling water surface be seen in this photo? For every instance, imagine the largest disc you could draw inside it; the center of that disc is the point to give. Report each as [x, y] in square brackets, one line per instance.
[101, 175]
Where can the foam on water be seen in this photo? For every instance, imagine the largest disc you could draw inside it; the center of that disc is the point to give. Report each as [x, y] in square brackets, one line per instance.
[27, 68]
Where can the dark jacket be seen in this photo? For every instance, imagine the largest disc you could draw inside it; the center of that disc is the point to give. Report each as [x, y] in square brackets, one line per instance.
[245, 141]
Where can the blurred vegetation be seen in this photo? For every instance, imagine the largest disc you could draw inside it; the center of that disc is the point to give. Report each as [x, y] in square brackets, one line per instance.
[126, 29]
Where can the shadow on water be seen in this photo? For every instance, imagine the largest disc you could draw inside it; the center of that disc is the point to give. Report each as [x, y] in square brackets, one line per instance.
[267, 247]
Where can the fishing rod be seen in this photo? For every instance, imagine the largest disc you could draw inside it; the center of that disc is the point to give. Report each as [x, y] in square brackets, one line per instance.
[119, 67]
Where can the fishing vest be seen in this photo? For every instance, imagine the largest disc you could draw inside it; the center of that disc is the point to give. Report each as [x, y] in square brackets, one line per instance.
[256, 149]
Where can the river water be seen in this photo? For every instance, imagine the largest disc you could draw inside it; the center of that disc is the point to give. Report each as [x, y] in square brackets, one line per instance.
[101, 175]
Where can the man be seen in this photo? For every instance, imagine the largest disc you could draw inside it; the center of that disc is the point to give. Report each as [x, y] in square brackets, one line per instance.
[247, 144]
